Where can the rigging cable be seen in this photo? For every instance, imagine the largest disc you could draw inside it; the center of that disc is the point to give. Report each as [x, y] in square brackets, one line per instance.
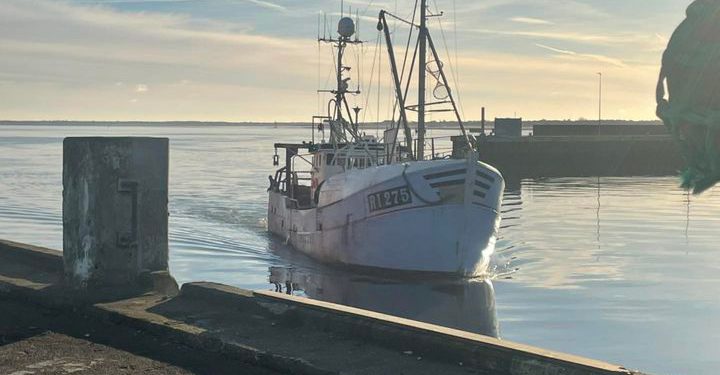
[456, 82]
[407, 45]
[377, 47]
[367, 8]
[412, 64]
[372, 75]
[390, 98]
[356, 54]
[379, 86]
[361, 53]
[457, 60]
[319, 70]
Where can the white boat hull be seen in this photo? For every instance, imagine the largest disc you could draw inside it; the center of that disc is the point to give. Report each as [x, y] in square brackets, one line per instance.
[448, 224]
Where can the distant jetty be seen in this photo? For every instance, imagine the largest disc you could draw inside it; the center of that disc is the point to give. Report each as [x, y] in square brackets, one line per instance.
[521, 150]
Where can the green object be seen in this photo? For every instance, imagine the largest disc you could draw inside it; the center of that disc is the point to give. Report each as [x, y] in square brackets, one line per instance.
[691, 77]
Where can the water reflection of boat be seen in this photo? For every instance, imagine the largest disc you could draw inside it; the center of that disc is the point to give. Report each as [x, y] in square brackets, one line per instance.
[460, 304]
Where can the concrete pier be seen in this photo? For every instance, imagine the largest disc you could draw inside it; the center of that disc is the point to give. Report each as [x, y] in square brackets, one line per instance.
[280, 333]
[115, 215]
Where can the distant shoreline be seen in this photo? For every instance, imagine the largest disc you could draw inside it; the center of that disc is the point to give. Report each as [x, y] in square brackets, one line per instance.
[383, 125]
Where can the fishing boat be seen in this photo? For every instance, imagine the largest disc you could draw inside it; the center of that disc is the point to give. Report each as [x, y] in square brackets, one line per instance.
[385, 203]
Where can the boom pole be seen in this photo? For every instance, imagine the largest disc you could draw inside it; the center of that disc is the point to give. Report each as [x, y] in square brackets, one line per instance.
[383, 26]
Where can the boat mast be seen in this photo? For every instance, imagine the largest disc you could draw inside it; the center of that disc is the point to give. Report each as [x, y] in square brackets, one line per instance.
[339, 124]
[422, 80]
[339, 93]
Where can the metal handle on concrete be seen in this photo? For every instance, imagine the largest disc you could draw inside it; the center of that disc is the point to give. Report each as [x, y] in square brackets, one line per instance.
[129, 239]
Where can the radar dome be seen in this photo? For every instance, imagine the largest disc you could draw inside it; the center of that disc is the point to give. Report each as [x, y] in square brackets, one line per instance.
[346, 27]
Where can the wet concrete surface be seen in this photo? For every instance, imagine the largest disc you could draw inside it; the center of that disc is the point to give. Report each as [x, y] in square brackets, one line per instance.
[291, 337]
[36, 340]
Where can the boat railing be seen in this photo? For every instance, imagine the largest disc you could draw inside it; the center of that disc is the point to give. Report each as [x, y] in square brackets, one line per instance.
[299, 196]
[436, 148]
[277, 183]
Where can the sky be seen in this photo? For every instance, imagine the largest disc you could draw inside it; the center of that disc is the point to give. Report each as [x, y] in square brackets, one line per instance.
[258, 60]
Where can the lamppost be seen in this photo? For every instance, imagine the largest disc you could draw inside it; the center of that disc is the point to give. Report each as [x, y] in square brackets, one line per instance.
[600, 102]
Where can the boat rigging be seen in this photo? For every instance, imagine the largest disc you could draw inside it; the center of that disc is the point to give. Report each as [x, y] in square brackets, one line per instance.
[441, 93]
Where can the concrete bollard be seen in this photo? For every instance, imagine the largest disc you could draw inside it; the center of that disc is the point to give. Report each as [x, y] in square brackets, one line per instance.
[115, 211]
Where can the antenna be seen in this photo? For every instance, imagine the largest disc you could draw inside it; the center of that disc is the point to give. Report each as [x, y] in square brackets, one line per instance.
[357, 25]
[340, 125]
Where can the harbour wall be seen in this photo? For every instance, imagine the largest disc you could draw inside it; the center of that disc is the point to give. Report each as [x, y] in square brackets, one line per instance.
[579, 156]
[554, 130]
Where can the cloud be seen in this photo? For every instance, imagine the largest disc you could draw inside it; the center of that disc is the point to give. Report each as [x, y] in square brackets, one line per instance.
[108, 2]
[62, 60]
[662, 39]
[561, 51]
[268, 5]
[531, 21]
[59, 53]
[559, 35]
[604, 59]
[101, 34]
[562, 87]
[658, 44]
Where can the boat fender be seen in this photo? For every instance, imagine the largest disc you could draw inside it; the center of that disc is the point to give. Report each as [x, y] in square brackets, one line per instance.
[412, 189]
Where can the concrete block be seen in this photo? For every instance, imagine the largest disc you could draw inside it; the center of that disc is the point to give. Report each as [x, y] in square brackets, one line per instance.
[115, 210]
[41, 258]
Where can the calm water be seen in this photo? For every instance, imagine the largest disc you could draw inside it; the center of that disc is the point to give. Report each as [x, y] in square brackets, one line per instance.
[620, 269]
